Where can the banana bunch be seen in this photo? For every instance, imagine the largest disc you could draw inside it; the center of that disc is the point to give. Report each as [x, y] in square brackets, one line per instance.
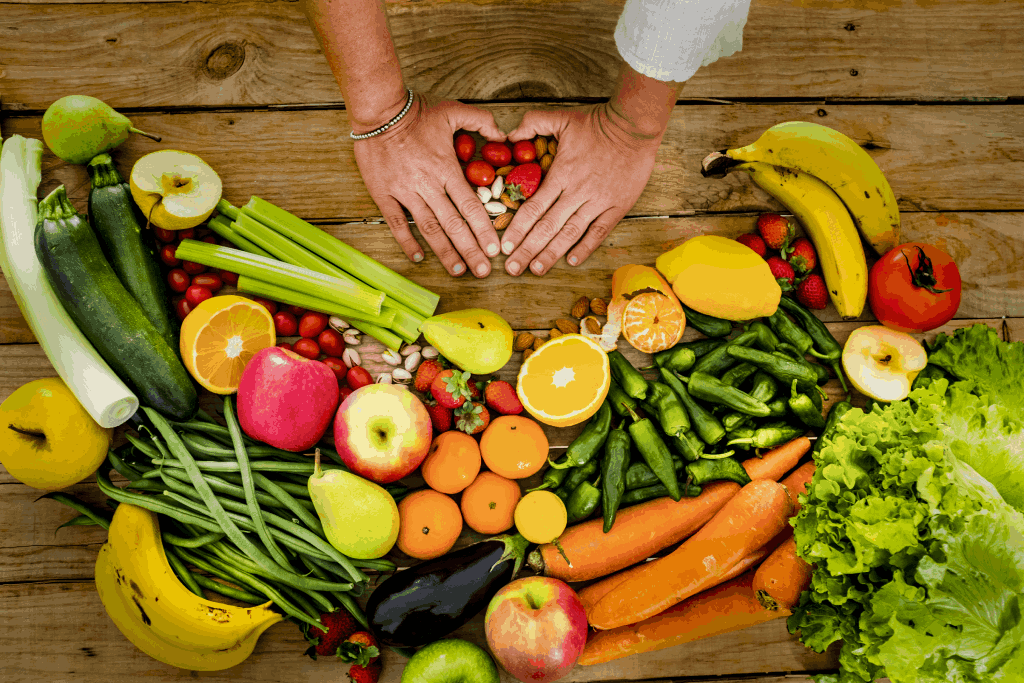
[157, 613]
[834, 188]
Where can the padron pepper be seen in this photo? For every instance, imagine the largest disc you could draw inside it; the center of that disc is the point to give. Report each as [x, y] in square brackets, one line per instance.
[745, 432]
[708, 325]
[718, 361]
[577, 475]
[835, 414]
[802, 405]
[779, 407]
[779, 366]
[554, 475]
[614, 473]
[639, 475]
[738, 374]
[766, 339]
[619, 399]
[656, 491]
[628, 378]
[713, 390]
[582, 502]
[591, 439]
[789, 332]
[706, 471]
[668, 408]
[789, 351]
[825, 345]
[763, 389]
[771, 435]
[707, 426]
[654, 452]
[688, 445]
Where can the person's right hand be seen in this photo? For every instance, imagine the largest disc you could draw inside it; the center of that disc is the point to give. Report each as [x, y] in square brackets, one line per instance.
[413, 165]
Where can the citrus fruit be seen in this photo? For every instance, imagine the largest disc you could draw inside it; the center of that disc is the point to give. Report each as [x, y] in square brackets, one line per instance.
[565, 381]
[540, 517]
[219, 337]
[514, 446]
[652, 323]
[430, 524]
[175, 190]
[489, 503]
[452, 462]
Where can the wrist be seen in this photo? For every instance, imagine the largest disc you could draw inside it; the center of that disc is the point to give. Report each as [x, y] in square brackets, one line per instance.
[369, 114]
[642, 106]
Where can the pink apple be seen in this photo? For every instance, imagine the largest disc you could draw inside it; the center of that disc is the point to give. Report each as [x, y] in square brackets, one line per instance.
[382, 432]
[286, 400]
[536, 628]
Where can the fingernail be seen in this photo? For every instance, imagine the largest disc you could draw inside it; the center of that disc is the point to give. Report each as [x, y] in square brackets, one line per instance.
[513, 267]
[417, 257]
[537, 267]
[507, 247]
[492, 249]
[573, 260]
[481, 270]
[458, 269]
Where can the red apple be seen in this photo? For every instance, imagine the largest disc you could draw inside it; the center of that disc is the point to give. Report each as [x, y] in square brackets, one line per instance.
[382, 432]
[286, 400]
[536, 628]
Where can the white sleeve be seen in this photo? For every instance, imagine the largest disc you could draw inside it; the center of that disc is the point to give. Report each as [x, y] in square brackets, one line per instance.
[670, 39]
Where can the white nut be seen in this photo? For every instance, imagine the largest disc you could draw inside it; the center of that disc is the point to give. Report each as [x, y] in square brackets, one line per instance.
[350, 357]
[391, 358]
[430, 352]
[351, 339]
[337, 323]
[400, 375]
[410, 349]
[497, 186]
[495, 208]
[412, 361]
[383, 378]
[484, 193]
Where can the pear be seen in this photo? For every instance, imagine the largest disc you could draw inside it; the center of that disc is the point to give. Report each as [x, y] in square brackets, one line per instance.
[78, 127]
[474, 339]
[360, 518]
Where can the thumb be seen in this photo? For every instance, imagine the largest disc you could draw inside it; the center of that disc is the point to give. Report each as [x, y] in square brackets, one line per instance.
[536, 123]
[468, 117]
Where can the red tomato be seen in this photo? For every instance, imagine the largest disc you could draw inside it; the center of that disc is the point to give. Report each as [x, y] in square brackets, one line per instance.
[306, 348]
[914, 288]
[286, 345]
[479, 173]
[193, 268]
[297, 311]
[331, 342]
[344, 392]
[312, 324]
[166, 255]
[229, 278]
[285, 324]
[358, 377]
[196, 295]
[178, 280]
[524, 152]
[337, 367]
[209, 240]
[496, 154]
[182, 307]
[211, 281]
[186, 234]
[465, 146]
[165, 236]
[266, 303]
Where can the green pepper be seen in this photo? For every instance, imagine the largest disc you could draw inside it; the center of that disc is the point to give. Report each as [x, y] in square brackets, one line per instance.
[741, 433]
[835, 414]
[771, 436]
[590, 440]
[705, 471]
[803, 407]
[763, 389]
[766, 339]
[614, 473]
[738, 374]
[639, 475]
[789, 332]
[656, 491]
[554, 475]
[707, 426]
[779, 366]
[825, 345]
[718, 361]
[619, 399]
[707, 325]
[654, 452]
[628, 377]
[778, 407]
[678, 359]
[669, 409]
[734, 421]
[789, 351]
[688, 445]
[577, 475]
[712, 390]
[582, 502]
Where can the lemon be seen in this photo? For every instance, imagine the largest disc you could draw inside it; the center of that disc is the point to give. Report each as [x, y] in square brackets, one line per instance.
[175, 190]
[540, 517]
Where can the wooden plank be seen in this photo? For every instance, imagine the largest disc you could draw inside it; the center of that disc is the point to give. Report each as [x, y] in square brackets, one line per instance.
[263, 53]
[302, 160]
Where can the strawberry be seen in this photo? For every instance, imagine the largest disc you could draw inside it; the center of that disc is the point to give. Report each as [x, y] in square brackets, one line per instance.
[522, 181]
[802, 256]
[365, 674]
[812, 292]
[440, 417]
[782, 272]
[754, 241]
[776, 230]
[472, 418]
[360, 648]
[425, 374]
[449, 388]
[340, 625]
[474, 390]
[501, 396]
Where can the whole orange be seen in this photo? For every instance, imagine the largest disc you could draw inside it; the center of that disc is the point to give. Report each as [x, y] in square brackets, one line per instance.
[514, 446]
[489, 503]
[452, 462]
[430, 524]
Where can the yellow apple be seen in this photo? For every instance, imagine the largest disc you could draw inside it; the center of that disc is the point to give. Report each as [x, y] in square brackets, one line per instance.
[175, 190]
[882, 363]
[47, 439]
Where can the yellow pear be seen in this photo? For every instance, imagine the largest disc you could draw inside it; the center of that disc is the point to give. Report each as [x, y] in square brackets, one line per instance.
[475, 339]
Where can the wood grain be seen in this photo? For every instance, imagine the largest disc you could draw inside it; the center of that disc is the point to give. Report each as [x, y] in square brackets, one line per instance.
[172, 54]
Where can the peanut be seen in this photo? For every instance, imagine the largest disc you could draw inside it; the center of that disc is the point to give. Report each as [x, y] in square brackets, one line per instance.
[552, 147]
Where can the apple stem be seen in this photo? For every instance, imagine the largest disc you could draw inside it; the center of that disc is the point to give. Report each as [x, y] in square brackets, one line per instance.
[145, 134]
[26, 432]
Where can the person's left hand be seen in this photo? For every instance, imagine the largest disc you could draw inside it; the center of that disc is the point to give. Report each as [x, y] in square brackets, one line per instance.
[600, 170]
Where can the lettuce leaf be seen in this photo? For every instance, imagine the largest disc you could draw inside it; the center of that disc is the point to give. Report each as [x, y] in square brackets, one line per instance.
[977, 353]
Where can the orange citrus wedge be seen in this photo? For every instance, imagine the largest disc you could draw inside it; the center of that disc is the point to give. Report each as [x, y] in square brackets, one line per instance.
[651, 322]
[219, 337]
[565, 381]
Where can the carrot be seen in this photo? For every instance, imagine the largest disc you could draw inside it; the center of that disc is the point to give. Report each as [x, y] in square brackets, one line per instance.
[639, 532]
[783, 577]
[747, 522]
[730, 606]
[797, 483]
[776, 462]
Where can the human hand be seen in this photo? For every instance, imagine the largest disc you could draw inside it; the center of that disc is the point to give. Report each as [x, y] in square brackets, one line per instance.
[413, 165]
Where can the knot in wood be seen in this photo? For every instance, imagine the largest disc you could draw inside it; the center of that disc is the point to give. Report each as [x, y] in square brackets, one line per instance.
[224, 60]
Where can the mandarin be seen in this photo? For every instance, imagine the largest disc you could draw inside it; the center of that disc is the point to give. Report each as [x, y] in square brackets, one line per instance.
[514, 446]
[430, 524]
[452, 462]
[489, 503]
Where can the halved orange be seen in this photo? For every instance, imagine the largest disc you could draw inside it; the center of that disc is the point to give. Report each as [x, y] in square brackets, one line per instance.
[565, 381]
[652, 322]
[220, 336]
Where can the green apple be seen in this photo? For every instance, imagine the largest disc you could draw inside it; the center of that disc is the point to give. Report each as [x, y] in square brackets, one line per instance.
[451, 661]
[474, 339]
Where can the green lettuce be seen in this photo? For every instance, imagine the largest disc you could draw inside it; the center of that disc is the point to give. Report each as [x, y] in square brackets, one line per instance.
[977, 354]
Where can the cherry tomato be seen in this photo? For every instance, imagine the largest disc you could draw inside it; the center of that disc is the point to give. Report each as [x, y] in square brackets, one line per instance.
[496, 154]
[266, 303]
[358, 377]
[186, 234]
[209, 240]
[182, 307]
[312, 324]
[479, 173]
[196, 295]
[286, 345]
[211, 281]
[285, 324]
[297, 311]
[524, 152]
[165, 236]
[331, 343]
[178, 280]
[465, 146]
[306, 348]
[203, 232]
[193, 268]
[914, 288]
[344, 392]
[167, 256]
[229, 278]
[337, 367]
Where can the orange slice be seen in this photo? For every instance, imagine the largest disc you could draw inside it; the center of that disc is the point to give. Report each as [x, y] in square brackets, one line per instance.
[565, 381]
[220, 336]
[652, 323]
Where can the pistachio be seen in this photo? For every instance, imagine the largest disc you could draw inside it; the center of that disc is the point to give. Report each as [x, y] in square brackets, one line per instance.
[401, 375]
[384, 378]
[412, 361]
[391, 357]
[497, 186]
[495, 208]
[337, 323]
[410, 349]
[484, 193]
[430, 352]
[350, 357]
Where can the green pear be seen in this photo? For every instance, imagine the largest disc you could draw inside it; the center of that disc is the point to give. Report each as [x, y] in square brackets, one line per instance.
[360, 518]
[474, 339]
[78, 127]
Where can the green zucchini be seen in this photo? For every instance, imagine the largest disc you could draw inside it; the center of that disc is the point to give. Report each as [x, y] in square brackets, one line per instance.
[130, 250]
[109, 317]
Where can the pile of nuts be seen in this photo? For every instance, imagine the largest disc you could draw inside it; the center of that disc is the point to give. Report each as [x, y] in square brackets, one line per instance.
[583, 312]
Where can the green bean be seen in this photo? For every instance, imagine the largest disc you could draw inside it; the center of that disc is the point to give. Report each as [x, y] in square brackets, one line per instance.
[79, 506]
[193, 542]
[229, 591]
[186, 577]
[256, 465]
[320, 573]
[300, 599]
[202, 446]
[308, 518]
[347, 601]
[204, 416]
[148, 450]
[221, 487]
[152, 503]
[124, 469]
[230, 554]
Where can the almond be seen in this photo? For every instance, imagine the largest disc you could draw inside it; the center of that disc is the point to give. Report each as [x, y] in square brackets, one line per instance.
[504, 171]
[537, 343]
[545, 162]
[502, 221]
[523, 341]
[509, 202]
[567, 326]
[540, 143]
[527, 353]
[598, 307]
[593, 327]
[555, 334]
[552, 147]
[580, 308]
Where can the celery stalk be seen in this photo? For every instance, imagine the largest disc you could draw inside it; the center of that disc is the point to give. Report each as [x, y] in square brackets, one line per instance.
[281, 247]
[250, 285]
[227, 208]
[385, 337]
[406, 325]
[222, 226]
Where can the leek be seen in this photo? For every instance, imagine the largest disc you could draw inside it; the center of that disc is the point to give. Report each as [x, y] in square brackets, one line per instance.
[269, 290]
[222, 226]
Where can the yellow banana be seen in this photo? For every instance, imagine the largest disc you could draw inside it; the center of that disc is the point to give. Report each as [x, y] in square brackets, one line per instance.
[828, 225]
[157, 613]
[836, 160]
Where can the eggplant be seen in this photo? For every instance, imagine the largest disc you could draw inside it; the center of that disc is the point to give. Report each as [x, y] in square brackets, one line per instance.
[428, 601]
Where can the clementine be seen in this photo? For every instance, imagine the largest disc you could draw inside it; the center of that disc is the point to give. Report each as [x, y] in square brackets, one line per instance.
[430, 524]
[452, 462]
[514, 446]
[489, 503]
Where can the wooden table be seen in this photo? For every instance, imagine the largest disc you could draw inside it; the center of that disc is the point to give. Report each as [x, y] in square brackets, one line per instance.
[932, 90]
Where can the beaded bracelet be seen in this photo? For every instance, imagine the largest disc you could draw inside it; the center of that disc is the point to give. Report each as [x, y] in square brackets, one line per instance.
[387, 125]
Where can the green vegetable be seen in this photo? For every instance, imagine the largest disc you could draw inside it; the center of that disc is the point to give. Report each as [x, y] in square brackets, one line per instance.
[707, 325]
[778, 407]
[614, 474]
[789, 332]
[976, 353]
[704, 423]
[718, 361]
[688, 445]
[619, 399]
[681, 357]
[705, 471]
[591, 439]
[763, 389]
[788, 351]
[738, 374]
[222, 226]
[656, 491]
[825, 345]
[929, 375]
[627, 377]
[654, 452]
[582, 503]
[640, 475]
[770, 436]
[804, 408]
[765, 339]
[576, 476]
[280, 247]
[554, 475]
[669, 409]
[778, 366]
[712, 390]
